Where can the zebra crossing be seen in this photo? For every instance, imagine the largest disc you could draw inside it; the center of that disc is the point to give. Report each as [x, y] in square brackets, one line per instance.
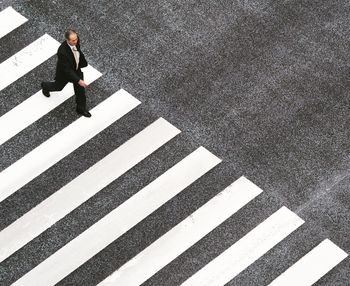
[326, 252]
[241, 254]
[70, 138]
[10, 19]
[68, 198]
[89, 243]
[23, 115]
[27, 59]
[188, 232]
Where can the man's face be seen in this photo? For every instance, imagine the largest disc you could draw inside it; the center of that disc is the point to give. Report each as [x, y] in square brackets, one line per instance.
[73, 39]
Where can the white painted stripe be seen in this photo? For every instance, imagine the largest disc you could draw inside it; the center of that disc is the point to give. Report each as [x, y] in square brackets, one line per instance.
[312, 266]
[184, 235]
[36, 106]
[120, 220]
[10, 19]
[247, 250]
[85, 186]
[64, 142]
[27, 59]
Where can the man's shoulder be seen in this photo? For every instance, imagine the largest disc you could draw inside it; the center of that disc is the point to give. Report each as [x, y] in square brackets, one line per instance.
[62, 48]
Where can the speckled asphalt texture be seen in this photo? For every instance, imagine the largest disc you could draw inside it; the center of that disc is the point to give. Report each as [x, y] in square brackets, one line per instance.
[264, 85]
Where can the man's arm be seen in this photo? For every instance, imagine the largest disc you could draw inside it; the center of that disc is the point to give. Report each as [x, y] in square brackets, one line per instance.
[82, 61]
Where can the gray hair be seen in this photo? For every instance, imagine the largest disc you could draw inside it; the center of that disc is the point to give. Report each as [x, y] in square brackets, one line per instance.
[68, 33]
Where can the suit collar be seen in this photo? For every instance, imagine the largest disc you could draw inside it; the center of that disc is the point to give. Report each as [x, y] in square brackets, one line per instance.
[69, 51]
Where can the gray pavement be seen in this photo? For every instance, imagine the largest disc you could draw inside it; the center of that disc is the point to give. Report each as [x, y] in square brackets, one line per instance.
[261, 84]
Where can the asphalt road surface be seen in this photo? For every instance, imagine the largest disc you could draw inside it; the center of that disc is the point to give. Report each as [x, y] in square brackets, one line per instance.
[217, 153]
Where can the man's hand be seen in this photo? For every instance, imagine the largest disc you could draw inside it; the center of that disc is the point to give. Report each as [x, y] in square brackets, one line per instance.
[82, 83]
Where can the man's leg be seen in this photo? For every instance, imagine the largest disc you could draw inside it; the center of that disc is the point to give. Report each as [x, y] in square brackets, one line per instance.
[80, 97]
[48, 86]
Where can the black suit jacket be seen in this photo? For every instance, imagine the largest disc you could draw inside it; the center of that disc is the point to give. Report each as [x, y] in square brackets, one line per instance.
[66, 66]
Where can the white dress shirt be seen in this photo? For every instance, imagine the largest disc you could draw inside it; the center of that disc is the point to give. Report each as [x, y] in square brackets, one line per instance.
[76, 54]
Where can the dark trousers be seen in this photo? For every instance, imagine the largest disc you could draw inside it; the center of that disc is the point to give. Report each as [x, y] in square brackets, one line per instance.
[79, 91]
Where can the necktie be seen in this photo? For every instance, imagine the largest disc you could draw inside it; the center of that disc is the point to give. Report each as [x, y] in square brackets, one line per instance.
[76, 56]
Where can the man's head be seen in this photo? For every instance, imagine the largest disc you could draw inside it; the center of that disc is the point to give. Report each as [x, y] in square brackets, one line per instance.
[71, 37]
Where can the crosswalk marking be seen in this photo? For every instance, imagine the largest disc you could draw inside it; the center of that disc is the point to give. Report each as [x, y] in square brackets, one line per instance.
[85, 186]
[312, 266]
[184, 235]
[27, 59]
[306, 271]
[36, 106]
[247, 250]
[10, 19]
[120, 220]
[64, 142]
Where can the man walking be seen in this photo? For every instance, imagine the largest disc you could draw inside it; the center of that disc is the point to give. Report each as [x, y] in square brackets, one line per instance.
[70, 61]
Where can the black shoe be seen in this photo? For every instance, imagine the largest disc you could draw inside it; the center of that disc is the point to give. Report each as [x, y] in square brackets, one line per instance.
[84, 112]
[45, 92]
